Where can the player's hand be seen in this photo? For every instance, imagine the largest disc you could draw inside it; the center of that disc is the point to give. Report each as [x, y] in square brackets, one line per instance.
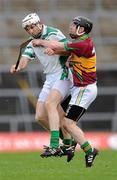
[67, 64]
[13, 70]
[36, 42]
[49, 51]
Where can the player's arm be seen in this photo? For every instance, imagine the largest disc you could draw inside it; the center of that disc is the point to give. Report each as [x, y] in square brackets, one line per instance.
[25, 55]
[58, 46]
[22, 65]
[72, 46]
[55, 45]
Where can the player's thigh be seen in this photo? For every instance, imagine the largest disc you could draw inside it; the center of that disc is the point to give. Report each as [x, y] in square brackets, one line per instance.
[54, 98]
[58, 92]
[63, 87]
[83, 96]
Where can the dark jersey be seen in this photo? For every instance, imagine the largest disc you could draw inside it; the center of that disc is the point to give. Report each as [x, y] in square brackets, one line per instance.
[82, 61]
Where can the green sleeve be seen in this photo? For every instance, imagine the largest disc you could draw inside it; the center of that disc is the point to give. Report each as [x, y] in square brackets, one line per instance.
[66, 47]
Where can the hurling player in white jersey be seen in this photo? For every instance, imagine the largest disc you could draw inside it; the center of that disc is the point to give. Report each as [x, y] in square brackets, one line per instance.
[58, 77]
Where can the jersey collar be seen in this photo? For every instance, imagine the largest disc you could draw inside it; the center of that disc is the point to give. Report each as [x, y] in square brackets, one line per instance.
[44, 31]
[85, 36]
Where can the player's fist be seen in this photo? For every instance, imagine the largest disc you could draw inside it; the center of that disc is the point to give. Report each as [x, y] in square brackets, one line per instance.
[36, 42]
[12, 69]
[49, 51]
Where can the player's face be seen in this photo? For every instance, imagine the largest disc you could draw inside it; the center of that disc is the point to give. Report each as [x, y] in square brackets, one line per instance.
[73, 30]
[76, 31]
[34, 30]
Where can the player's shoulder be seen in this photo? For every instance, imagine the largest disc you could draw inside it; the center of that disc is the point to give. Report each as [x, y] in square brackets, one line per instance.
[88, 41]
[52, 33]
[55, 30]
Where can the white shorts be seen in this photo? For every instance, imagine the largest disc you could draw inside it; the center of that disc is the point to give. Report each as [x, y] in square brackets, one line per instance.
[83, 96]
[53, 82]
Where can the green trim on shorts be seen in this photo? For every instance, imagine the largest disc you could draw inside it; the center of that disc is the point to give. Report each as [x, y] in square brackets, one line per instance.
[79, 97]
[64, 73]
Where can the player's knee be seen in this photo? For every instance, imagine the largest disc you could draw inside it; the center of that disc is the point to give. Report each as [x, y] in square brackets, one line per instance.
[49, 105]
[66, 124]
[39, 118]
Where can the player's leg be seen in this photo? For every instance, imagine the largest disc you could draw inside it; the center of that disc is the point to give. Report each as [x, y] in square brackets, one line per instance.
[41, 112]
[42, 118]
[62, 109]
[66, 137]
[41, 115]
[48, 150]
[68, 141]
[88, 94]
[79, 136]
[56, 95]
[51, 104]
[68, 125]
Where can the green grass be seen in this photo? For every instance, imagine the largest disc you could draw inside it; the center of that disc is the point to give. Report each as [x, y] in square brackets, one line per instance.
[30, 166]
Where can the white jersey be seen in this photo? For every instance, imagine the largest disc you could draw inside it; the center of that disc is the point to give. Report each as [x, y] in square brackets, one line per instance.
[51, 64]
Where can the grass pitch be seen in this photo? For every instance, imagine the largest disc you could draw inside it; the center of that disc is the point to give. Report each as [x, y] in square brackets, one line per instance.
[30, 166]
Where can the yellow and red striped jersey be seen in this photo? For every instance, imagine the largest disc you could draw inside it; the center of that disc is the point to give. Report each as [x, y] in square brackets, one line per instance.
[82, 61]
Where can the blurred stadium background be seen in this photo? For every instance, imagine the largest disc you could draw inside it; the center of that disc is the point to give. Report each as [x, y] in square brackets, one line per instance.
[18, 93]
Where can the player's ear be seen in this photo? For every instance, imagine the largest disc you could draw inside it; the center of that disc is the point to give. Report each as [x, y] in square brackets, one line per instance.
[40, 25]
[81, 30]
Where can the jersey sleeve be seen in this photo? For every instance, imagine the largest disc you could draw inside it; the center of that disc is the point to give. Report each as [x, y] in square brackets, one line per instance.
[72, 46]
[29, 52]
[57, 36]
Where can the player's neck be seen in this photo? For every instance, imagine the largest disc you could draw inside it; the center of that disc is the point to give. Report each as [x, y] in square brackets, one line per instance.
[84, 36]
